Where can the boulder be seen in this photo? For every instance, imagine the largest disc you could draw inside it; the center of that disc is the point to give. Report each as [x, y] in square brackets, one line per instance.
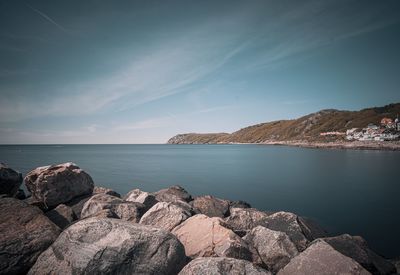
[172, 194]
[147, 199]
[128, 211]
[295, 227]
[321, 258]
[62, 216]
[104, 190]
[10, 180]
[239, 204]
[207, 237]
[242, 220]
[77, 204]
[396, 263]
[356, 248]
[221, 266]
[166, 215]
[24, 234]
[111, 246]
[56, 184]
[273, 249]
[211, 206]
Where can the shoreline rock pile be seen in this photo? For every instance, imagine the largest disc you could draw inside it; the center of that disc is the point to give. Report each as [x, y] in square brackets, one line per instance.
[71, 226]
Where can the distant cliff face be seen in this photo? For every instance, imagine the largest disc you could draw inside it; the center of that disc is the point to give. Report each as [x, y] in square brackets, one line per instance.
[306, 128]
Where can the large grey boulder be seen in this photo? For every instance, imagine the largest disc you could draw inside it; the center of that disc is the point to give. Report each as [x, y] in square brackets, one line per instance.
[173, 194]
[105, 190]
[24, 234]
[62, 215]
[356, 248]
[298, 229]
[242, 220]
[137, 195]
[10, 180]
[272, 249]
[111, 246]
[207, 237]
[321, 258]
[221, 266]
[166, 215]
[56, 184]
[128, 211]
[211, 206]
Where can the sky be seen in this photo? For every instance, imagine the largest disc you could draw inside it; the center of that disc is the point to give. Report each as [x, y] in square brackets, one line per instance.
[144, 71]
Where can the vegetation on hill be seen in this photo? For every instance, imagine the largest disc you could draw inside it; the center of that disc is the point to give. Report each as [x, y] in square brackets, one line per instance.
[306, 128]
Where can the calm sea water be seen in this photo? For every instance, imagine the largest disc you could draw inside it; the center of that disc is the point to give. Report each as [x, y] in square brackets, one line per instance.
[346, 191]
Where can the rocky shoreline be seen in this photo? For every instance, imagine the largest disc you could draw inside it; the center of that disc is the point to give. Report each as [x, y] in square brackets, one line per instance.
[70, 226]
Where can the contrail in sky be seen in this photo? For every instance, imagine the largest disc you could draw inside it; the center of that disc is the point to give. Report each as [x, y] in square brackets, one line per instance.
[42, 14]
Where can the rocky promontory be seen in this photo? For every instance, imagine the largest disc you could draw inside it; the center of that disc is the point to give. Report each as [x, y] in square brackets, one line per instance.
[69, 225]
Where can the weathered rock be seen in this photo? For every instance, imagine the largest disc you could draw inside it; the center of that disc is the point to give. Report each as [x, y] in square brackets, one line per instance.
[396, 263]
[56, 184]
[106, 213]
[166, 215]
[128, 211]
[221, 266]
[20, 194]
[294, 227]
[239, 204]
[147, 199]
[273, 248]
[111, 246]
[62, 216]
[77, 204]
[172, 194]
[207, 237]
[321, 258]
[211, 206]
[356, 248]
[242, 220]
[104, 190]
[24, 234]
[10, 180]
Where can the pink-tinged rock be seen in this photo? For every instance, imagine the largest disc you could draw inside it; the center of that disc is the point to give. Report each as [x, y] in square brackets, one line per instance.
[211, 206]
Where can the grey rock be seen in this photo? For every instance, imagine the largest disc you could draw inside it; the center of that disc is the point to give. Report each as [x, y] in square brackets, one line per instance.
[294, 226]
[104, 190]
[221, 266]
[273, 249]
[62, 216]
[166, 215]
[172, 194]
[147, 199]
[56, 184]
[203, 236]
[242, 220]
[320, 258]
[10, 180]
[24, 234]
[396, 263]
[356, 248]
[128, 211]
[77, 204]
[239, 204]
[111, 246]
[211, 206]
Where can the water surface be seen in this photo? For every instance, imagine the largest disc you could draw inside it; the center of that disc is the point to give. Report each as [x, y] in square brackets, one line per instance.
[344, 190]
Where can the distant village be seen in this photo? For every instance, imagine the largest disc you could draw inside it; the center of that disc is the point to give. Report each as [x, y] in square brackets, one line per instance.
[388, 130]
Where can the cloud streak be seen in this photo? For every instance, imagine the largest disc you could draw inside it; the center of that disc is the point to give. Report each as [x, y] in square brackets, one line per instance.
[47, 18]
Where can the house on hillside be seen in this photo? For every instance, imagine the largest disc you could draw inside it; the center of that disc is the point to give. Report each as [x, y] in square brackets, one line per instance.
[388, 123]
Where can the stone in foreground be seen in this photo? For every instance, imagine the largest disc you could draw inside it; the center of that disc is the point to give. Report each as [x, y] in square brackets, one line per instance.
[207, 237]
[242, 220]
[211, 206]
[24, 234]
[166, 215]
[137, 195]
[356, 248]
[221, 266]
[320, 258]
[62, 216]
[104, 190]
[173, 194]
[273, 249]
[10, 180]
[56, 184]
[111, 246]
[128, 211]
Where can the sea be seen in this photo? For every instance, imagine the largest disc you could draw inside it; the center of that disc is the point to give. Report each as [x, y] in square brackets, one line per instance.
[345, 191]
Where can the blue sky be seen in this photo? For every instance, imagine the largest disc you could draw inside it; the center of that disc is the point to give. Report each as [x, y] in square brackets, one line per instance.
[143, 71]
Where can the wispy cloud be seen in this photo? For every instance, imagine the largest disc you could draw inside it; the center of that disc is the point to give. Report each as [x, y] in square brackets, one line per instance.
[47, 18]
